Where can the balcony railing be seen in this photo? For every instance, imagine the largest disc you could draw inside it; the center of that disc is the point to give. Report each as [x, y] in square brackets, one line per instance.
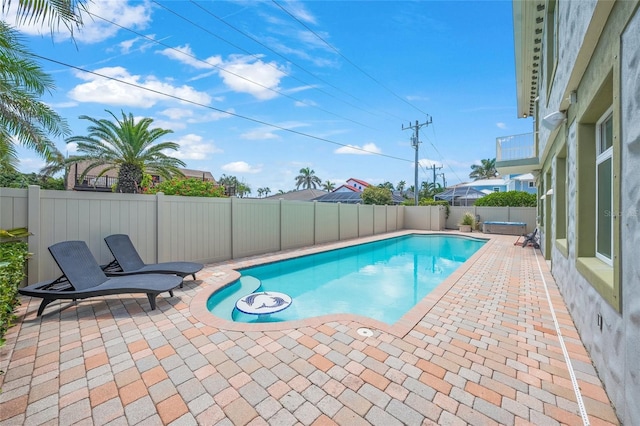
[516, 147]
[95, 183]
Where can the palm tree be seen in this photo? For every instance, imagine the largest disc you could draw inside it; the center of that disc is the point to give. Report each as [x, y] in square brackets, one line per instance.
[127, 146]
[387, 185]
[328, 186]
[55, 12]
[243, 189]
[400, 186]
[24, 119]
[307, 179]
[266, 191]
[485, 170]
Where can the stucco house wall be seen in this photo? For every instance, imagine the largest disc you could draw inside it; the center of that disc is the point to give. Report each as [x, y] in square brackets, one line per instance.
[587, 65]
[609, 329]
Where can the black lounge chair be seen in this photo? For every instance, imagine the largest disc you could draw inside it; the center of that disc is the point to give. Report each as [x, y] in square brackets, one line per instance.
[82, 278]
[532, 239]
[127, 261]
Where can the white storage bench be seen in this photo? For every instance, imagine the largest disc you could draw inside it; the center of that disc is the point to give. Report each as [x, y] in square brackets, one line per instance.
[507, 228]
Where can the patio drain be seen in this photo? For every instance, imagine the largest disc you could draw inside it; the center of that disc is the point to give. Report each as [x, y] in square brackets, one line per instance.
[365, 332]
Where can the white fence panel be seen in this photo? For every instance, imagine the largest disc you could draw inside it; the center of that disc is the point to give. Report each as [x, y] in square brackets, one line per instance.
[13, 208]
[379, 219]
[349, 226]
[327, 222]
[365, 220]
[255, 227]
[297, 226]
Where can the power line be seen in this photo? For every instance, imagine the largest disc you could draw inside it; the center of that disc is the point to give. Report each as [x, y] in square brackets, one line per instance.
[226, 70]
[289, 60]
[347, 59]
[254, 120]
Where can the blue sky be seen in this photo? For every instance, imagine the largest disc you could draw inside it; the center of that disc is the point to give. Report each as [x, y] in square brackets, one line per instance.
[259, 90]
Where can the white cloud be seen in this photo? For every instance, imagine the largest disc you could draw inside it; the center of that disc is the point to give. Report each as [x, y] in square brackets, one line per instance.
[94, 28]
[177, 113]
[31, 164]
[184, 115]
[111, 92]
[501, 125]
[241, 167]
[366, 149]
[211, 116]
[298, 10]
[245, 74]
[185, 55]
[72, 148]
[193, 147]
[262, 133]
[240, 73]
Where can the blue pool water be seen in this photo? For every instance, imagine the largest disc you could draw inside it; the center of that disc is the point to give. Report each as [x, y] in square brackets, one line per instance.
[381, 280]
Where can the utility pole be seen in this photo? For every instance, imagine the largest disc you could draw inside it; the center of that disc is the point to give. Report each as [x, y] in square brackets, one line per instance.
[415, 141]
[433, 166]
[444, 182]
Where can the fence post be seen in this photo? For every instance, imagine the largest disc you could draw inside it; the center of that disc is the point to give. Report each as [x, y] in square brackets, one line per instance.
[33, 241]
[162, 230]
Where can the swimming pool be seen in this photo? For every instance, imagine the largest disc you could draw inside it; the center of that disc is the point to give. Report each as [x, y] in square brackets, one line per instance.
[380, 280]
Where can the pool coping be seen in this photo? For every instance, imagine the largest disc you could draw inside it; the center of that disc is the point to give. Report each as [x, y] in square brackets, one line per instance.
[225, 274]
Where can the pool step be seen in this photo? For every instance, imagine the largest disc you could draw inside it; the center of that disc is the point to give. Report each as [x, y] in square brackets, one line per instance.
[222, 303]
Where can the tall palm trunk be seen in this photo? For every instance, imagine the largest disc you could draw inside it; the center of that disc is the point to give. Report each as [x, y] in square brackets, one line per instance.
[129, 178]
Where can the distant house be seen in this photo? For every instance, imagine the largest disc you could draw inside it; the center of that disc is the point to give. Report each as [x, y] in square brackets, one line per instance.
[352, 197]
[94, 183]
[352, 185]
[302, 195]
[460, 195]
[486, 185]
[524, 182]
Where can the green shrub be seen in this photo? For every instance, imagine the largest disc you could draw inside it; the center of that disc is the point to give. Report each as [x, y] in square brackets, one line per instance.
[13, 256]
[508, 199]
[468, 219]
[376, 195]
[191, 187]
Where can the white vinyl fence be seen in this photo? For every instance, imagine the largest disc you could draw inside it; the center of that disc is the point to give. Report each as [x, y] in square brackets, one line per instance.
[527, 215]
[206, 230]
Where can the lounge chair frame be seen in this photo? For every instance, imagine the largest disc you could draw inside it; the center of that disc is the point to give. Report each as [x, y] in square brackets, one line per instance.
[127, 261]
[83, 278]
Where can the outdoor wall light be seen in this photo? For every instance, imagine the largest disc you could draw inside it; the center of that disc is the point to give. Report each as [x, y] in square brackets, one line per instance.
[549, 192]
[553, 120]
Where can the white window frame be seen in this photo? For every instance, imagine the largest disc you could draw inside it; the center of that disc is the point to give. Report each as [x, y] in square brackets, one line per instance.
[532, 184]
[496, 189]
[601, 156]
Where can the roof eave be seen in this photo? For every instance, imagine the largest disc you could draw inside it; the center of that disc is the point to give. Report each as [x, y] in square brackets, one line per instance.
[528, 22]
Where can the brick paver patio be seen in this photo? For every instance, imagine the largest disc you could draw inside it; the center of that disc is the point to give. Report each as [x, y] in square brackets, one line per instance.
[482, 349]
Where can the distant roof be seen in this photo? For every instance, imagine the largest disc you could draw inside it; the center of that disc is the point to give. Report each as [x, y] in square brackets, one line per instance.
[526, 176]
[351, 198]
[302, 195]
[361, 182]
[459, 195]
[201, 174]
[485, 182]
[346, 188]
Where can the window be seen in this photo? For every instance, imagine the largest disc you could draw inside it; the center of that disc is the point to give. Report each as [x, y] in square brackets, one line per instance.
[532, 184]
[551, 41]
[496, 189]
[604, 187]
